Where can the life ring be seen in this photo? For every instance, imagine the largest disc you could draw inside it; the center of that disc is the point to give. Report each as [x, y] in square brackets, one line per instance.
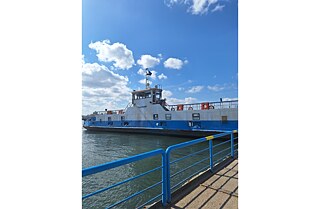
[172, 109]
[205, 106]
[211, 107]
[180, 107]
[190, 108]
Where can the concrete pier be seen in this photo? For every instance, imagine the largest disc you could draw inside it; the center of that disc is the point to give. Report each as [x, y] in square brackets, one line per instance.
[220, 191]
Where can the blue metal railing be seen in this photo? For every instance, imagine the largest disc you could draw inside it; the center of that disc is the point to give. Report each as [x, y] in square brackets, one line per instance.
[184, 145]
[203, 159]
[114, 164]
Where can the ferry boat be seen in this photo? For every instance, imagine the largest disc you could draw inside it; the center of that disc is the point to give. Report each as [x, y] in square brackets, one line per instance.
[149, 113]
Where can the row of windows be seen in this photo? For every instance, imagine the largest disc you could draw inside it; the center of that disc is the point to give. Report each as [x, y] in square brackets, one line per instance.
[195, 116]
[194, 124]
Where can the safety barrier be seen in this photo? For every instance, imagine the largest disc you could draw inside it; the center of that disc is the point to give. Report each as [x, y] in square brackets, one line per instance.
[204, 106]
[205, 158]
[114, 164]
[199, 169]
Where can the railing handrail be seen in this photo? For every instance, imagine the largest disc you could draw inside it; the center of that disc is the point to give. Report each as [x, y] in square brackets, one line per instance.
[203, 105]
[117, 163]
[199, 103]
[196, 141]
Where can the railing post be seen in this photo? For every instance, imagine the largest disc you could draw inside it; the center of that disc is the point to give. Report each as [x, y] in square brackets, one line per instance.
[232, 145]
[164, 179]
[211, 154]
[168, 175]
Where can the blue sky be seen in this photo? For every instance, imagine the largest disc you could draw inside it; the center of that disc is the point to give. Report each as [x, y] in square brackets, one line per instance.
[191, 46]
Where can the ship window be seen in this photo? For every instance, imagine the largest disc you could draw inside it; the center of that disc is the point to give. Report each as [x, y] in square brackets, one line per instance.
[109, 118]
[168, 116]
[224, 118]
[196, 124]
[155, 117]
[196, 116]
[122, 117]
[100, 120]
[190, 123]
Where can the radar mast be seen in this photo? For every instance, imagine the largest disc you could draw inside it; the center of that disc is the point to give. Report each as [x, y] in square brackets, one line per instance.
[148, 74]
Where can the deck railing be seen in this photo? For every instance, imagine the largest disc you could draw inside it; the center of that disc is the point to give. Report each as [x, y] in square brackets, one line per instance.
[204, 106]
[207, 157]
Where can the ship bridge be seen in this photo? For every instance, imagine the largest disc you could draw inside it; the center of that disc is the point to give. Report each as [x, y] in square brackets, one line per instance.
[148, 96]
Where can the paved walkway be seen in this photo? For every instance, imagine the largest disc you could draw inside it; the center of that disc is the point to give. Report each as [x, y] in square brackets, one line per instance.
[218, 192]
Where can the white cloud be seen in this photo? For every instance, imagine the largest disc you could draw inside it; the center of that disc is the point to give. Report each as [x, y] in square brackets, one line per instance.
[141, 72]
[225, 86]
[166, 93]
[172, 101]
[218, 8]
[162, 76]
[180, 88]
[195, 89]
[187, 100]
[143, 81]
[95, 75]
[102, 88]
[148, 61]
[229, 99]
[216, 88]
[117, 53]
[174, 63]
[170, 3]
[201, 6]
[196, 7]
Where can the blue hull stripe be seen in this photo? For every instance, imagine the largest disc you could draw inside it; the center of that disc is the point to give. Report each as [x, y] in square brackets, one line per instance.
[168, 124]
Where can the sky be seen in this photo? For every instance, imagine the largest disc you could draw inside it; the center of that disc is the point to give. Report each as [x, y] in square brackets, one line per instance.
[190, 46]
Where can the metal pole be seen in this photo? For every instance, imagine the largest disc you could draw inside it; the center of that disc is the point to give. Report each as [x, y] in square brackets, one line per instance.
[164, 179]
[232, 145]
[211, 154]
[168, 176]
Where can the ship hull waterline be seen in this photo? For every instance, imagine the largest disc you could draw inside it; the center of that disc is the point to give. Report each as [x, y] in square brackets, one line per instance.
[156, 131]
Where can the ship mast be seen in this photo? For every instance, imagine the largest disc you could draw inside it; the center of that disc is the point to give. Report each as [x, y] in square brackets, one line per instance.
[148, 73]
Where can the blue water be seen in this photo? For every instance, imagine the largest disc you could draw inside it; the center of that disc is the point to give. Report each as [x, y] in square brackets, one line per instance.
[99, 147]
